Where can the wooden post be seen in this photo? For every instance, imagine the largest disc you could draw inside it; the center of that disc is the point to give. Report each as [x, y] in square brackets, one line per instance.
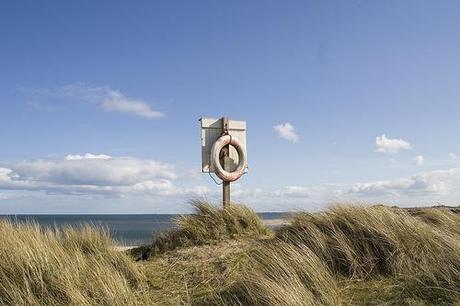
[226, 156]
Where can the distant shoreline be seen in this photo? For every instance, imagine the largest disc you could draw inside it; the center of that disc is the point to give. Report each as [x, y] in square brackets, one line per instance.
[134, 230]
[274, 222]
[268, 222]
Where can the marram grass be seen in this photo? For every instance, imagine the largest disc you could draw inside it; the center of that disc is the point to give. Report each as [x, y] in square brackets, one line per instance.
[347, 255]
[210, 224]
[64, 267]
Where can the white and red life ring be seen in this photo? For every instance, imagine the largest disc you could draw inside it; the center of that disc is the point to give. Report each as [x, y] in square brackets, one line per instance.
[215, 158]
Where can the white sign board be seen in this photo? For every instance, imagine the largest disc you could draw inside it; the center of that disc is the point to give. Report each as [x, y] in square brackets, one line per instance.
[211, 130]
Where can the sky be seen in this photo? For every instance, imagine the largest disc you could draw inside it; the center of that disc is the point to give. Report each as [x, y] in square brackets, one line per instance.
[345, 101]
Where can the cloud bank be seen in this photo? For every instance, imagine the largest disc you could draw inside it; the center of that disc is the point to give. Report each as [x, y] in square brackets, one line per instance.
[105, 175]
[90, 174]
[435, 182]
[102, 175]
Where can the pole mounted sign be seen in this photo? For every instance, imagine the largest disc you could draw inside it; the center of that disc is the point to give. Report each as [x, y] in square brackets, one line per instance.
[223, 150]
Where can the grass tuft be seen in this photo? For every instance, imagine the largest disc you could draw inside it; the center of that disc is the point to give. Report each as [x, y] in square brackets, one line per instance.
[210, 224]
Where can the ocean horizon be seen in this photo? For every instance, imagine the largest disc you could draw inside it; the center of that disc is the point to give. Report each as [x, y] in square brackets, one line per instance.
[125, 229]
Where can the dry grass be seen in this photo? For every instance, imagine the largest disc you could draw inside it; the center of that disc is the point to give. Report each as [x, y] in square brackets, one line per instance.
[193, 275]
[64, 267]
[282, 274]
[419, 256]
[347, 255]
[210, 224]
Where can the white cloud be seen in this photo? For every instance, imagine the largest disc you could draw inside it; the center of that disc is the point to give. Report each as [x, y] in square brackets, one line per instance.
[240, 192]
[389, 145]
[162, 186]
[286, 131]
[454, 156]
[426, 183]
[6, 196]
[419, 160]
[87, 156]
[89, 174]
[296, 192]
[106, 98]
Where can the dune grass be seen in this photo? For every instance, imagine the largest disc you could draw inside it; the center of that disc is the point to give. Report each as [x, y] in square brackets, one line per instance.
[64, 267]
[418, 256]
[194, 275]
[210, 224]
[346, 255]
[279, 273]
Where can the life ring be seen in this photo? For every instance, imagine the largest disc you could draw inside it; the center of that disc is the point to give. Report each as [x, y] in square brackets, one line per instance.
[215, 158]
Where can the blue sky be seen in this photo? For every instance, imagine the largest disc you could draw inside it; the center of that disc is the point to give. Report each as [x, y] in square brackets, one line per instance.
[100, 101]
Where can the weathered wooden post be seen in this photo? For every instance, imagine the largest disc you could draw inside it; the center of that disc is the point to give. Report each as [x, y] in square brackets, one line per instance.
[226, 162]
[223, 151]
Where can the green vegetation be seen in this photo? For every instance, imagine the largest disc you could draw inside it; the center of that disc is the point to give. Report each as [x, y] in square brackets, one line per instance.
[347, 255]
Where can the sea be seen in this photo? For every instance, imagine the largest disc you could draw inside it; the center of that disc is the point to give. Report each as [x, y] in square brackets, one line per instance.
[126, 230]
